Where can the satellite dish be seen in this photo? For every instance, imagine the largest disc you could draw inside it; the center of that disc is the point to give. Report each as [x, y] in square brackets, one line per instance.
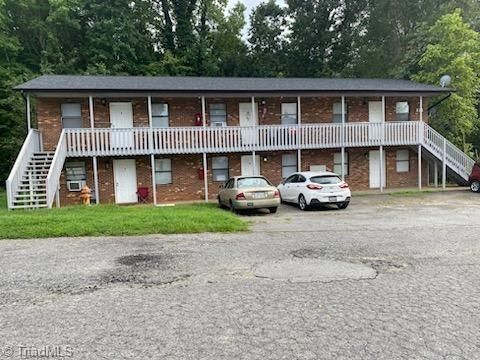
[445, 80]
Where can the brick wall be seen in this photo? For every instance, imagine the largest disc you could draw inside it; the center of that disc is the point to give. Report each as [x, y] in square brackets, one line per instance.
[182, 111]
[187, 185]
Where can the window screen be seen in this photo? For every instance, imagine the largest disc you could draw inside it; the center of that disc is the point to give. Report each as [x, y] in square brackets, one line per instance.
[163, 171]
[220, 168]
[337, 112]
[160, 115]
[75, 171]
[289, 113]
[403, 161]
[337, 163]
[402, 110]
[289, 164]
[218, 114]
[71, 116]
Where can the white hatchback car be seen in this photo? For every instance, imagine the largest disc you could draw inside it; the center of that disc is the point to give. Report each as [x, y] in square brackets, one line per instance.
[314, 188]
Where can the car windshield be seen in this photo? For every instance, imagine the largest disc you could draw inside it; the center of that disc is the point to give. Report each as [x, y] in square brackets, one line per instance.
[326, 180]
[252, 182]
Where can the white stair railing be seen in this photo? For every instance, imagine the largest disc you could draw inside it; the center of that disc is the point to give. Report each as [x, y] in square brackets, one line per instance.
[32, 144]
[56, 167]
[455, 158]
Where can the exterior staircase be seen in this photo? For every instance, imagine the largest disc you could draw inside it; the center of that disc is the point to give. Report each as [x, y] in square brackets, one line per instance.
[32, 190]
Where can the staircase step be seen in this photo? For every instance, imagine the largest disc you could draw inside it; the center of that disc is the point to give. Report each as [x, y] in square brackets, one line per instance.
[33, 187]
[33, 196]
[33, 206]
[27, 180]
[29, 202]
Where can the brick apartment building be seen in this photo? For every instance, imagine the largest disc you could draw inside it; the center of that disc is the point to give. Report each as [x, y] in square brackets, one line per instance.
[180, 138]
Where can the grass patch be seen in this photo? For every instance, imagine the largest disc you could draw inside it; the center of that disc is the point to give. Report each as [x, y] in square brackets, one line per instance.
[112, 220]
[406, 193]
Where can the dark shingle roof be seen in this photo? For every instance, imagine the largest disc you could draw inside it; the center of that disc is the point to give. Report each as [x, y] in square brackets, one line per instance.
[74, 83]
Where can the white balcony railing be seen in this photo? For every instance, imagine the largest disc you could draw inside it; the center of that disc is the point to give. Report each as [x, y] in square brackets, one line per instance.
[190, 140]
[56, 169]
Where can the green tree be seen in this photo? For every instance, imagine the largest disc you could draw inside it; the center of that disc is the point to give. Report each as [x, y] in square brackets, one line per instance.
[267, 40]
[311, 37]
[12, 72]
[454, 49]
[116, 38]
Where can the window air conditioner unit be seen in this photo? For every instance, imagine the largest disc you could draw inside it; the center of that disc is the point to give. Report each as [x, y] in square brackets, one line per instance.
[76, 185]
[218, 123]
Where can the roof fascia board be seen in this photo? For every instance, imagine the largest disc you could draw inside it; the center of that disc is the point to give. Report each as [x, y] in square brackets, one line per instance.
[232, 94]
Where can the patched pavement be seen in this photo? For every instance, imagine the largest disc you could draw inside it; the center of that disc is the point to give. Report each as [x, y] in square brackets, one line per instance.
[390, 277]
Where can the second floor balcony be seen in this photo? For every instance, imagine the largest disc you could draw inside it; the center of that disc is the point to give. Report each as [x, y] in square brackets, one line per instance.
[191, 140]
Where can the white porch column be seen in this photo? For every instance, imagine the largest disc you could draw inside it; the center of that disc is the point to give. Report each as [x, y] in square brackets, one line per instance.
[444, 165]
[382, 165]
[95, 164]
[419, 167]
[421, 108]
[29, 114]
[299, 136]
[152, 156]
[205, 162]
[343, 138]
[57, 197]
[253, 152]
[435, 171]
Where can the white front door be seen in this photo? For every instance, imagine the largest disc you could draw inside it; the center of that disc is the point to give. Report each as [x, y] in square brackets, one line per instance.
[249, 136]
[125, 177]
[374, 169]
[375, 115]
[247, 165]
[121, 117]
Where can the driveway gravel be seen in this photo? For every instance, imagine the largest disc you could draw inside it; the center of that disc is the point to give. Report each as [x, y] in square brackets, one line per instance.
[391, 277]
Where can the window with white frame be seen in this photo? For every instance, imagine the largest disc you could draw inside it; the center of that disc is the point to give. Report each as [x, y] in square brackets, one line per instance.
[220, 168]
[163, 171]
[75, 171]
[337, 163]
[289, 113]
[160, 115]
[403, 161]
[289, 164]
[402, 111]
[337, 112]
[218, 114]
[71, 116]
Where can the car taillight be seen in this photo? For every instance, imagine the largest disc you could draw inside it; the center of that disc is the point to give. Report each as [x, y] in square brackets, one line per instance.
[240, 196]
[276, 194]
[344, 186]
[314, 186]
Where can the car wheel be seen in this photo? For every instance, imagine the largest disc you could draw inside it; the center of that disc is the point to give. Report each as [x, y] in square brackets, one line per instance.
[302, 203]
[343, 205]
[232, 208]
[220, 205]
[475, 186]
[273, 210]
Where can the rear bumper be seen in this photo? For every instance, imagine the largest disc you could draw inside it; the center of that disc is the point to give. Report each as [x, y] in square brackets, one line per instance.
[340, 199]
[256, 204]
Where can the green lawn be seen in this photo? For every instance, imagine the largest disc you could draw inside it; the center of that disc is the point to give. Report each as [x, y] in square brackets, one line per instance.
[110, 220]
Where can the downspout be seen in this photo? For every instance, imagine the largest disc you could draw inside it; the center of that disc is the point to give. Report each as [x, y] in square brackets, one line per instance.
[430, 108]
[26, 110]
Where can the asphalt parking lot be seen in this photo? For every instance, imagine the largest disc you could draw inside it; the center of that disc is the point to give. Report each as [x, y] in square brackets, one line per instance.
[391, 277]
